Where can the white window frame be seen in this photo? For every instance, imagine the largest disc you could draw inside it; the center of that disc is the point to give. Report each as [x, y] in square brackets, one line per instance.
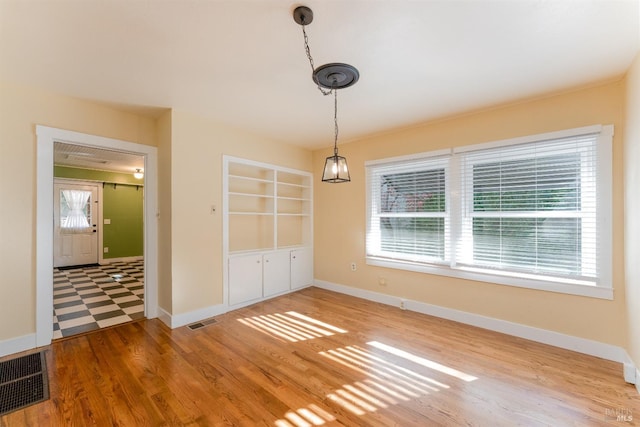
[434, 160]
[601, 288]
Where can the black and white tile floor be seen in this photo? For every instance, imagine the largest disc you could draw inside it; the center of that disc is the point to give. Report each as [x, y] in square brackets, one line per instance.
[89, 298]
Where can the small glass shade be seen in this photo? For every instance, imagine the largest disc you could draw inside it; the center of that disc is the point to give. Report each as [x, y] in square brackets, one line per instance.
[138, 174]
[336, 170]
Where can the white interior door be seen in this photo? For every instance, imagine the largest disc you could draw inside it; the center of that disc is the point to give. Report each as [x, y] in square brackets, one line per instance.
[75, 232]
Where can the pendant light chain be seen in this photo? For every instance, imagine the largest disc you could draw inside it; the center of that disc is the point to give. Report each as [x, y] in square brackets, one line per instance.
[329, 78]
[307, 49]
[335, 121]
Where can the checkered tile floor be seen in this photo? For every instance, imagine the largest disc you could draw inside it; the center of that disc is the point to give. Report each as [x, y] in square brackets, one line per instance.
[85, 299]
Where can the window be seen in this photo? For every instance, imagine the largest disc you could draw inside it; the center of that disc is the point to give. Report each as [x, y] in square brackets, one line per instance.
[75, 211]
[531, 212]
[411, 220]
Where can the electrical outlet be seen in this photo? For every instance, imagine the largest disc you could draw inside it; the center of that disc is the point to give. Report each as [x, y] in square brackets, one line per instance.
[382, 281]
[106, 249]
[354, 267]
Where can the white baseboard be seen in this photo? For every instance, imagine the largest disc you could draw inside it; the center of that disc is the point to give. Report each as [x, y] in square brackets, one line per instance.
[107, 261]
[630, 374]
[164, 316]
[629, 369]
[360, 293]
[556, 339]
[18, 344]
[638, 380]
[177, 320]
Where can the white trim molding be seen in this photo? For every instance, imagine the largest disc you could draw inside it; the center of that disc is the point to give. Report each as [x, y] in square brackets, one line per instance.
[630, 371]
[178, 320]
[18, 344]
[591, 276]
[556, 339]
[46, 137]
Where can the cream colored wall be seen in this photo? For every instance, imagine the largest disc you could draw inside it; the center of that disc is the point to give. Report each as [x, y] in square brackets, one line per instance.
[340, 217]
[190, 159]
[632, 207]
[197, 148]
[21, 109]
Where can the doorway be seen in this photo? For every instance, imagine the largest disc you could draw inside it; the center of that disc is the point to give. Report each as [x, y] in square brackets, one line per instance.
[98, 274]
[46, 138]
[76, 208]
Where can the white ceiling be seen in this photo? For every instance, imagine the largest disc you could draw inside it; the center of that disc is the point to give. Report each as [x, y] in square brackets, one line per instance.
[243, 63]
[95, 158]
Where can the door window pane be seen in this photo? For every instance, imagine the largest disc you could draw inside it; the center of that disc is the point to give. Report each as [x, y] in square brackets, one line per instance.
[75, 210]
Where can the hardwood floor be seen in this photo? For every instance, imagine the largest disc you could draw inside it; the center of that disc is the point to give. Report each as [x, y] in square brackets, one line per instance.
[320, 358]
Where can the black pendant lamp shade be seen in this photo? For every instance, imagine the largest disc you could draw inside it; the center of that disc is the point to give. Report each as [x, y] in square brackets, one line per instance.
[335, 169]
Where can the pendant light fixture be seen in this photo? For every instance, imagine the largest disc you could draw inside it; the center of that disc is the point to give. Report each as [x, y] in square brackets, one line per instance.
[138, 174]
[332, 76]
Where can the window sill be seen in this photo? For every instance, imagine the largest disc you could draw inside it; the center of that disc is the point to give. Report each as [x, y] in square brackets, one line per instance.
[556, 285]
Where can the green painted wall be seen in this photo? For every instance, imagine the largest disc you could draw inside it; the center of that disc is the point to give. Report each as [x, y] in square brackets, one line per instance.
[122, 203]
[123, 206]
[95, 175]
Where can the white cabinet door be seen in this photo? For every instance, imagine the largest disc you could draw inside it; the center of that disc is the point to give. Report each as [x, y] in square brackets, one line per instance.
[245, 278]
[301, 268]
[275, 272]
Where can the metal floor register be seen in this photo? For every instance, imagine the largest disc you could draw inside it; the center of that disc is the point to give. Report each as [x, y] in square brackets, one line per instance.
[23, 382]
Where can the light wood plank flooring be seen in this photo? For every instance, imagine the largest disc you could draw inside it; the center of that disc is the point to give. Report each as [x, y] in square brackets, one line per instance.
[320, 358]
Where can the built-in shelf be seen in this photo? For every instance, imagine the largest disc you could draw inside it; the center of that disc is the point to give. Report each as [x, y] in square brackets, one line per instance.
[251, 213]
[231, 193]
[249, 178]
[267, 222]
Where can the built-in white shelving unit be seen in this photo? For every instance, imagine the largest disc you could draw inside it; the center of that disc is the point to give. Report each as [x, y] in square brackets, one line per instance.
[267, 230]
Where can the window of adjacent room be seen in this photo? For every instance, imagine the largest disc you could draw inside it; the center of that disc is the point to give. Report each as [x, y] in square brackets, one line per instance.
[532, 212]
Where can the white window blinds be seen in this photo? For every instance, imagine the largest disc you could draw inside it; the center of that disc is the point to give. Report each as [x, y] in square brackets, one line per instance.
[531, 208]
[408, 216]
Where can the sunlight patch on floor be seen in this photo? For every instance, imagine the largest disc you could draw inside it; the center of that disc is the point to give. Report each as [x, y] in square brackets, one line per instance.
[422, 361]
[385, 382]
[310, 416]
[291, 326]
[366, 363]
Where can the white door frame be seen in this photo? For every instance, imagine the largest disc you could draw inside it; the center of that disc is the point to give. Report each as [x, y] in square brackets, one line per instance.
[46, 137]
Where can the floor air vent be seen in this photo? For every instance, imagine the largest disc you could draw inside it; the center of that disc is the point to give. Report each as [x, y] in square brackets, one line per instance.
[202, 324]
[23, 382]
